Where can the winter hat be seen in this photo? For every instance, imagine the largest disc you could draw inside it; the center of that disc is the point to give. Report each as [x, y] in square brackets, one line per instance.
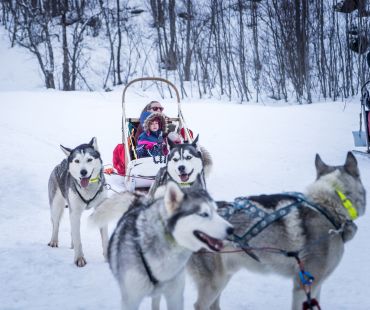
[147, 117]
[143, 117]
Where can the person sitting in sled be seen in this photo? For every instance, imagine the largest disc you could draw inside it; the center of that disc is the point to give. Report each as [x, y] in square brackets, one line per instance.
[156, 107]
[151, 141]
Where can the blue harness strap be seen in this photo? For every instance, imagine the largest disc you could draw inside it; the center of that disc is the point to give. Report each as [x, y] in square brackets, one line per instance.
[265, 219]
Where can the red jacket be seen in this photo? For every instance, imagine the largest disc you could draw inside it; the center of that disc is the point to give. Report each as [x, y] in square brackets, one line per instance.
[119, 159]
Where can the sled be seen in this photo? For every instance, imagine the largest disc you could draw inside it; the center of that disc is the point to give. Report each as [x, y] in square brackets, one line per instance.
[362, 137]
[140, 172]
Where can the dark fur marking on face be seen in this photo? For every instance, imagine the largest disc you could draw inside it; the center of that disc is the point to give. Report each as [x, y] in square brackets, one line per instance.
[198, 197]
[180, 149]
[173, 220]
[84, 148]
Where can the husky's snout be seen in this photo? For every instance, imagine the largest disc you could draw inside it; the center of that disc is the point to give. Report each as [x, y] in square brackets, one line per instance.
[184, 174]
[214, 244]
[84, 179]
[83, 172]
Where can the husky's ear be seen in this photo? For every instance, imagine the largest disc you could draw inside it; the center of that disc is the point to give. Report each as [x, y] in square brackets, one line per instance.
[94, 143]
[173, 197]
[321, 167]
[66, 150]
[195, 142]
[351, 165]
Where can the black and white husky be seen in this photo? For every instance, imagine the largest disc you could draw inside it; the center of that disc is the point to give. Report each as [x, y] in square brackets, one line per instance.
[187, 165]
[77, 183]
[154, 239]
[311, 227]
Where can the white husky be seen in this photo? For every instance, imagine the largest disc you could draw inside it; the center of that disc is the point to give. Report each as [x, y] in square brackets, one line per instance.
[77, 183]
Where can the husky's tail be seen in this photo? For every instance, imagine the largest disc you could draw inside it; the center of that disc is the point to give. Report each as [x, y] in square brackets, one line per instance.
[207, 161]
[111, 209]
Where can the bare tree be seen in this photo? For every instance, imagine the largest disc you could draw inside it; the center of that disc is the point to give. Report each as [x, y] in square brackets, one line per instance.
[32, 32]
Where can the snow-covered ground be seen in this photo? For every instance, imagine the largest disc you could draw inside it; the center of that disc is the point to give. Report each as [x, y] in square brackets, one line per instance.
[256, 149]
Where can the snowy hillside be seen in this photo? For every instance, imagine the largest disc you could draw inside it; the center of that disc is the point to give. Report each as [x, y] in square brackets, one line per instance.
[256, 149]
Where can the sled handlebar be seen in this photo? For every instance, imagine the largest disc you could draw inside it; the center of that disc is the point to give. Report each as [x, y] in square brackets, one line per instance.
[158, 79]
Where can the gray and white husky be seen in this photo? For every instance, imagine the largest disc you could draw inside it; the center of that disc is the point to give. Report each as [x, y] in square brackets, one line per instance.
[153, 241]
[187, 165]
[77, 183]
[311, 228]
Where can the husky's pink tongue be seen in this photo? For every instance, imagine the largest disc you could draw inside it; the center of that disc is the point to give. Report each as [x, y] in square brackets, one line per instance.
[184, 177]
[84, 182]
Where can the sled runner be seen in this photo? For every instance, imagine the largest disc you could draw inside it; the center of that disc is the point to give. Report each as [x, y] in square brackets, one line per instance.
[362, 138]
[141, 172]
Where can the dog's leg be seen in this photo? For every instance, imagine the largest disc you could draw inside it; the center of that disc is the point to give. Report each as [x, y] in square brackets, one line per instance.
[209, 292]
[174, 292]
[156, 301]
[210, 274]
[130, 300]
[104, 241]
[321, 261]
[75, 217]
[56, 212]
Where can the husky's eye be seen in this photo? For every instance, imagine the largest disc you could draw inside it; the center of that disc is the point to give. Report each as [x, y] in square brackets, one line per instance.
[203, 214]
[89, 160]
[175, 159]
[76, 161]
[188, 157]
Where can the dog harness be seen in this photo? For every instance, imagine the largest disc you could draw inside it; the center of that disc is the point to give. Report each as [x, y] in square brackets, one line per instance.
[265, 219]
[88, 201]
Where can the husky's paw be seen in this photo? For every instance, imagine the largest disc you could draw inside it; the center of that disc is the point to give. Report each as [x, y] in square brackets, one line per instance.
[80, 261]
[53, 244]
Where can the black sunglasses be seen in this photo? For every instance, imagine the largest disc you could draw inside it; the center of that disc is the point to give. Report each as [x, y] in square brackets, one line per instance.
[157, 109]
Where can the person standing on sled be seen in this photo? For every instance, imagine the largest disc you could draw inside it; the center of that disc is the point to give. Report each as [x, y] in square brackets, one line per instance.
[151, 141]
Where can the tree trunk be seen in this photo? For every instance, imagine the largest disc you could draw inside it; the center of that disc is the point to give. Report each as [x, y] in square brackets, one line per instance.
[188, 47]
[119, 34]
[66, 72]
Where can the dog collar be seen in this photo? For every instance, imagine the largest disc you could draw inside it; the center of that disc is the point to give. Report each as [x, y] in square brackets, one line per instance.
[347, 204]
[94, 180]
[185, 184]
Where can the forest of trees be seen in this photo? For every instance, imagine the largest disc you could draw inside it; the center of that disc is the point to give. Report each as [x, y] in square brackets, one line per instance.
[235, 49]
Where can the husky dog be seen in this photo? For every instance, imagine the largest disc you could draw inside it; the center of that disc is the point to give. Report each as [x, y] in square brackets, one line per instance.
[153, 241]
[307, 233]
[187, 165]
[77, 183]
